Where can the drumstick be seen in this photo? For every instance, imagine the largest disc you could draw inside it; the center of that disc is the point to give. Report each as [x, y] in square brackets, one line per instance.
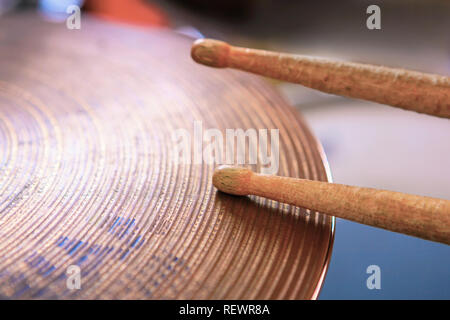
[423, 217]
[411, 90]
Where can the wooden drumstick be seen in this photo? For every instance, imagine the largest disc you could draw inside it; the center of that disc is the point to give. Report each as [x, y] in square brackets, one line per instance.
[423, 217]
[411, 90]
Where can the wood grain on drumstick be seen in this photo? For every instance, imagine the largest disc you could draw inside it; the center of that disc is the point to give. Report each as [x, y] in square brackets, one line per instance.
[411, 90]
[423, 217]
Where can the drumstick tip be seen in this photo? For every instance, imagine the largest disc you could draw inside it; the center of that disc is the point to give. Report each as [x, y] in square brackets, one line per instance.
[232, 180]
[213, 53]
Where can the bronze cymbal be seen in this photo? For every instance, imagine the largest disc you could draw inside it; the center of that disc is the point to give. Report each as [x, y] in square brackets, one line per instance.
[87, 175]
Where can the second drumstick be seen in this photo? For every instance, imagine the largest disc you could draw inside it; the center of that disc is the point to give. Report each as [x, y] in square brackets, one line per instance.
[410, 90]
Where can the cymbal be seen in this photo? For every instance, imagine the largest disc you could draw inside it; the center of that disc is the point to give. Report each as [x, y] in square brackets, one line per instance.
[88, 177]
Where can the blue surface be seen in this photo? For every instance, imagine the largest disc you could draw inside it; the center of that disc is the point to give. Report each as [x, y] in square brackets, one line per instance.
[411, 268]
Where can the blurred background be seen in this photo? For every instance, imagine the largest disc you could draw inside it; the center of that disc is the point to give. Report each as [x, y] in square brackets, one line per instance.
[366, 144]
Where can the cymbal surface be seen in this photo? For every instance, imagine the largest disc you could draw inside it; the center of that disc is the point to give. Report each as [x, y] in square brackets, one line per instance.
[87, 175]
